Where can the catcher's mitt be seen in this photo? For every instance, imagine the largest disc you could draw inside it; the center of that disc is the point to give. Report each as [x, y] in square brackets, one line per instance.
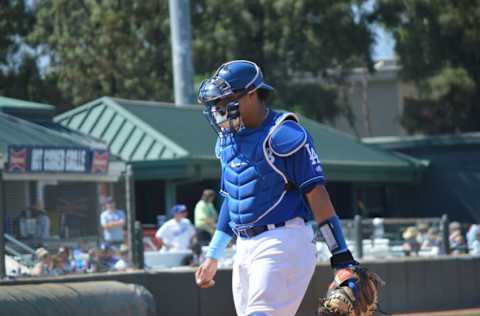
[354, 292]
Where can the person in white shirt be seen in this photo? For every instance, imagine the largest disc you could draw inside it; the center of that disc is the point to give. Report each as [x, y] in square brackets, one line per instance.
[475, 248]
[178, 232]
[123, 264]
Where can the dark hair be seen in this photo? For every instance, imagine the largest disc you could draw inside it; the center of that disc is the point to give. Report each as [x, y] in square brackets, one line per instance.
[208, 193]
[263, 95]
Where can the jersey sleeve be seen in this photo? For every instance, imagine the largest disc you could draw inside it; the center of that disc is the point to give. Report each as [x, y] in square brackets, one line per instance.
[224, 219]
[304, 168]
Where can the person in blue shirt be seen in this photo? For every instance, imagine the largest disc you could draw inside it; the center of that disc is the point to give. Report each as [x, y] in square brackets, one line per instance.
[273, 183]
[112, 221]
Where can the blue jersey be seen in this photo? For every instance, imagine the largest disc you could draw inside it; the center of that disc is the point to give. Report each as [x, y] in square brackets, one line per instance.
[274, 202]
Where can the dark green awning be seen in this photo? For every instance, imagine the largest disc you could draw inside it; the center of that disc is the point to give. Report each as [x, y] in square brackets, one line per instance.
[164, 141]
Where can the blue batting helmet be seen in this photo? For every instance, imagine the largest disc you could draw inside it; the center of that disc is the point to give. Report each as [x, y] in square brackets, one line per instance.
[221, 92]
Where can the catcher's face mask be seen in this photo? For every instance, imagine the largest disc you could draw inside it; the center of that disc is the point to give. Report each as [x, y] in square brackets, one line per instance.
[221, 94]
[222, 105]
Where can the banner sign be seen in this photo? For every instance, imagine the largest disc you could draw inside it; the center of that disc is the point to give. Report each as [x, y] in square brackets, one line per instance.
[33, 159]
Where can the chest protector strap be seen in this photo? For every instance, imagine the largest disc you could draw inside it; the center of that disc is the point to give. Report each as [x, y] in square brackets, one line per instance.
[269, 152]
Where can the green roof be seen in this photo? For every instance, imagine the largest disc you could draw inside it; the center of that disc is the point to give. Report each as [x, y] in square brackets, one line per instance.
[152, 133]
[424, 141]
[15, 131]
[24, 105]
[27, 110]
[126, 133]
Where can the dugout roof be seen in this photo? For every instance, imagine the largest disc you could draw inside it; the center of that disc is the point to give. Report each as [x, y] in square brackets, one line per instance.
[16, 131]
[164, 141]
[425, 141]
[451, 184]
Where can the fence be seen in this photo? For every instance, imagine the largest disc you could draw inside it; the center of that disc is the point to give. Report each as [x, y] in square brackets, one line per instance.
[399, 237]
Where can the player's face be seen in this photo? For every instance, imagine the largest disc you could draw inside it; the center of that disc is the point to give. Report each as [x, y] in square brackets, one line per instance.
[250, 107]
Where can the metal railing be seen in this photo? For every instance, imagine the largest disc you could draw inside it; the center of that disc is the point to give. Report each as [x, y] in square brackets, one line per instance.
[19, 244]
[394, 237]
[22, 253]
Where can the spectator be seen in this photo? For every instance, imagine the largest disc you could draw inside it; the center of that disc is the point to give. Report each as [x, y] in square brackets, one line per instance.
[107, 258]
[422, 233]
[378, 228]
[66, 264]
[410, 246]
[79, 260]
[472, 234]
[456, 239]
[433, 242]
[475, 249]
[42, 229]
[26, 224]
[123, 264]
[178, 232]
[206, 215]
[93, 260]
[112, 221]
[44, 265]
[57, 266]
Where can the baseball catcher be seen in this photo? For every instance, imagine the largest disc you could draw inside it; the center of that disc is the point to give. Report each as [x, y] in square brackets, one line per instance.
[273, 185]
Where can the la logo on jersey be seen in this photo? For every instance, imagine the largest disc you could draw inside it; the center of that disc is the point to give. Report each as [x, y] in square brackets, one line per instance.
[313, 157]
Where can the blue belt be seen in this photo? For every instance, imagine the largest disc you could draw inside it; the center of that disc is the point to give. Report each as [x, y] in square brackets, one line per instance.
[256, 230]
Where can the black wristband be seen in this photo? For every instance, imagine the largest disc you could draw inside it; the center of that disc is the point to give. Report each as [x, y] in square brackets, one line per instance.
[343, 259]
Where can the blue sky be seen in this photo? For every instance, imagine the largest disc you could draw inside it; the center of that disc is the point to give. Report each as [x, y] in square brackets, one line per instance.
[385, 44]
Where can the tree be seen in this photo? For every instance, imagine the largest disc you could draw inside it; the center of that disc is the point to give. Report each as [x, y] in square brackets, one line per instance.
[20, 75]
[15, 23]
[122, 48]
[106, 47]
[438, 46]
[294, 41]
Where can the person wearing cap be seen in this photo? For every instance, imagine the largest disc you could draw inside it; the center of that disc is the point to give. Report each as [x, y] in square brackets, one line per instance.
[44, 265]
[410, 247]
[456, 239]
[205, 213]
[177, 233]
[112, 221]
[123, 263]
[273, 184]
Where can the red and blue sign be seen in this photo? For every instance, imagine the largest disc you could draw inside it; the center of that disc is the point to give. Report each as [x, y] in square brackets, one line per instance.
[33, 159]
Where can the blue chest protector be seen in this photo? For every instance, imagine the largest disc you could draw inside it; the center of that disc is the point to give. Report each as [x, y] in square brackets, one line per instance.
[253, 182]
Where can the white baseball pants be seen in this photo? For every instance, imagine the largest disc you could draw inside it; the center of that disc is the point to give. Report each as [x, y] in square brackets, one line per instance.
[271, 271]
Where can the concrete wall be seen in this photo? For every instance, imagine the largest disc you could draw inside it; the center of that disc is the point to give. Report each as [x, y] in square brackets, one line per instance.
[77, 299]
[412, 285]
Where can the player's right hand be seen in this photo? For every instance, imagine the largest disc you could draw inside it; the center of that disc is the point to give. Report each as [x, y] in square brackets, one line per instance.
[206, 272]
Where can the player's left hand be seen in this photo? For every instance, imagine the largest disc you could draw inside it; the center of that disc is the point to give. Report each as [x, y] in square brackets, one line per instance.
[354, 292]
